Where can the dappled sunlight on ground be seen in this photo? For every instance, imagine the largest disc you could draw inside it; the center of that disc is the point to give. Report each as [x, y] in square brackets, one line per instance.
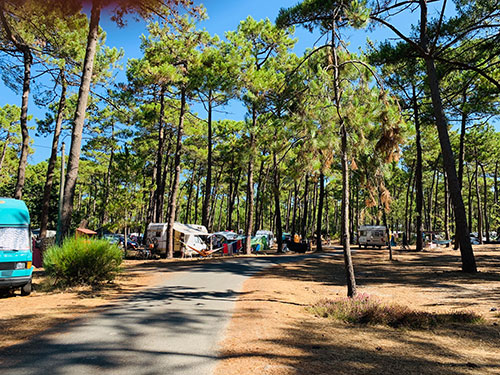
[282, 337]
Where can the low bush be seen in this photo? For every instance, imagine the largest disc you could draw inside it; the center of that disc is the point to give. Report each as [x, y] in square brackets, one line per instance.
[364, 309]
[82, 262]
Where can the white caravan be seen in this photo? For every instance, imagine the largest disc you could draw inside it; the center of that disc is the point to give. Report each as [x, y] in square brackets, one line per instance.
[372, 235]
[187, 238]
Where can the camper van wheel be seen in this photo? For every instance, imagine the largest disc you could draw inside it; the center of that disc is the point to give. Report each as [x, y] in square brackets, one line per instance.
[26, 289]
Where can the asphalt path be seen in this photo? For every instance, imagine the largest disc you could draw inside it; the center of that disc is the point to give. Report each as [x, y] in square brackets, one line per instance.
[173, 328]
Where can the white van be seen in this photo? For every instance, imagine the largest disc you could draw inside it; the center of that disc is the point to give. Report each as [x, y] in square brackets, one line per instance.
[372, 235]
[187, 238]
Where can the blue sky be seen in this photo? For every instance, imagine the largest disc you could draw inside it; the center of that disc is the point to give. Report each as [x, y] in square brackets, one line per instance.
[223, 15]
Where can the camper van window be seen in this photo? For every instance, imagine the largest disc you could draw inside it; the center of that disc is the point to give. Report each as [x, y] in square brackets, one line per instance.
[362, 233]
[14, 239]
[158, 234]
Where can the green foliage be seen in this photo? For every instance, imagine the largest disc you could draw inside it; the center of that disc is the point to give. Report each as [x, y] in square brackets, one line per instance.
[364, 309]
[81, 261]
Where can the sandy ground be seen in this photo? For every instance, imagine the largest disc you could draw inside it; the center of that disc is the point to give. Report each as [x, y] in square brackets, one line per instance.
[272, 332]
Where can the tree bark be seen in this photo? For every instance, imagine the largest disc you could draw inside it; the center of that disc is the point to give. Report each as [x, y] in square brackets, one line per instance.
[81, 107]
[176, 178]
[23, 160]
[44, 219]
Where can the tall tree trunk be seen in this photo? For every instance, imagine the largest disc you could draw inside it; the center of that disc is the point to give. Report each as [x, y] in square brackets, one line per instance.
[249, 213]
[23, 160]
[418, 177]
[44, 219]
[81, 107]
[349, 268]
[319, 220]
[161, 171]
[208, 180]
[176, 179]
[462, 232]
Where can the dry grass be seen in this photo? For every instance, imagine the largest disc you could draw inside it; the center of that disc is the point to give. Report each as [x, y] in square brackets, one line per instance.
[272, 331]
[368, 310]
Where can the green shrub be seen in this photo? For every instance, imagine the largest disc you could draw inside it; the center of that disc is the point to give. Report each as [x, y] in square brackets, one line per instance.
[82, 262]
[364, 309]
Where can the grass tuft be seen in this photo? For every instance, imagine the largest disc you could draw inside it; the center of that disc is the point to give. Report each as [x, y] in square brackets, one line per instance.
[365, 309]
[82, 262]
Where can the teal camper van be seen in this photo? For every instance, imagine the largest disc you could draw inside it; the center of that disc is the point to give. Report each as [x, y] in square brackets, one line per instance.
[15, 246]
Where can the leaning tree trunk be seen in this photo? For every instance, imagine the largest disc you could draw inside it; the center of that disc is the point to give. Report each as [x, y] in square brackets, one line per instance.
[44, 219]
[81, 107]
[176, 179]
[462, 231]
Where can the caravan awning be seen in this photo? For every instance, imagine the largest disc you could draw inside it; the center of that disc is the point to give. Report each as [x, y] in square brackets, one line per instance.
[198, 230]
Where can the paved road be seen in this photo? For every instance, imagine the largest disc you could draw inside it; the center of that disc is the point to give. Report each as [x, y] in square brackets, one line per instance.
[173, 328]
